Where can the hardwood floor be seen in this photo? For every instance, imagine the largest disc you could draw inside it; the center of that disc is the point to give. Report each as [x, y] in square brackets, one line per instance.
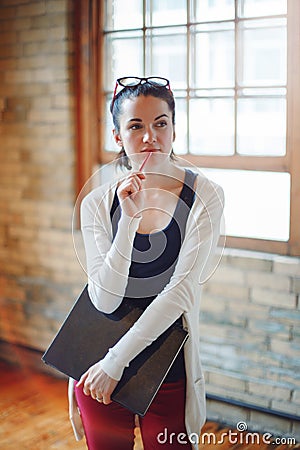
[34, 416]
[34, 412]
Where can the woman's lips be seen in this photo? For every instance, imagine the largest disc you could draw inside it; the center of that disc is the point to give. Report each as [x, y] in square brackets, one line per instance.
[151, 150]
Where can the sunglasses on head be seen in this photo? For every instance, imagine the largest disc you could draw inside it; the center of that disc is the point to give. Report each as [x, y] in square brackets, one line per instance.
[130, 82]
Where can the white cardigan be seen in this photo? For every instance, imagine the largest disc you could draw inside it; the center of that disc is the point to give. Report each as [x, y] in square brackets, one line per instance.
[108, 266]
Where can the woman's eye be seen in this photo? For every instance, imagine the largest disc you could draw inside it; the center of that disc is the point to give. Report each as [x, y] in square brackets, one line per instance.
[162, 123]
[135, 126]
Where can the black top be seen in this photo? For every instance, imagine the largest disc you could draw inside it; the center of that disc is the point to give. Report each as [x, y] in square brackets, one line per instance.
[154, 258]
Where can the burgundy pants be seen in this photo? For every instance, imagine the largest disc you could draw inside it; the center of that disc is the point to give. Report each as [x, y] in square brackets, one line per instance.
[111, 427]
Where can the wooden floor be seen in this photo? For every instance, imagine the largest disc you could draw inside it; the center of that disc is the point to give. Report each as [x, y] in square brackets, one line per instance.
[34, 416]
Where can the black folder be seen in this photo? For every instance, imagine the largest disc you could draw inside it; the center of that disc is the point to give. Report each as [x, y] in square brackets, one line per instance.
[87, 334]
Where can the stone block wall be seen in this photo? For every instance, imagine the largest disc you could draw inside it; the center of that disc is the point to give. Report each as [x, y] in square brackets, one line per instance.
[250, 341]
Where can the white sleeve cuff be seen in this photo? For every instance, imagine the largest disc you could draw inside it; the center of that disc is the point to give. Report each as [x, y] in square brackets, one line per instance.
[111, 367]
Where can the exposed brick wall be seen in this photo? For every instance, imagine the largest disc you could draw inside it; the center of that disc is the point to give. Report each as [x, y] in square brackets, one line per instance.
[250, 322]
[39, 275]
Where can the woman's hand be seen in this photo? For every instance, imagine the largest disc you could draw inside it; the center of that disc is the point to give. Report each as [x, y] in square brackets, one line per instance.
[97, 384]
[130, 194]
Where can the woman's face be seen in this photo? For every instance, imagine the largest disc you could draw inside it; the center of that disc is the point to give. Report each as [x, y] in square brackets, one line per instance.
[145, 126]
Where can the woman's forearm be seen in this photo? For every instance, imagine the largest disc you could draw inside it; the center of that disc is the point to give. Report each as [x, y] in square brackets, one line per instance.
[108, 263]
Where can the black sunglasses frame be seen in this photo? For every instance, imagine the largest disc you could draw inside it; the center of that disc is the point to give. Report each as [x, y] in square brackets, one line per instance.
[140, 80]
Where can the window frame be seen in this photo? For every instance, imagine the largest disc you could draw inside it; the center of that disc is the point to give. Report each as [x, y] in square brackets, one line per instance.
[91, 116]
[88, 78]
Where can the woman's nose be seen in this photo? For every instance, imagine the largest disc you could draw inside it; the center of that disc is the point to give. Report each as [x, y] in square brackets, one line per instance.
[149, 136]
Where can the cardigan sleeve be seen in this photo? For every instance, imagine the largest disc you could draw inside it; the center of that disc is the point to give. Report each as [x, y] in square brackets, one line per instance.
[108, 262]
[193, 267]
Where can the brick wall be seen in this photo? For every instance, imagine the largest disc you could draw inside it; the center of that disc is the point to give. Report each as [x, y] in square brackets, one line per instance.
[250, 308]
[39, 274]
[250, 328]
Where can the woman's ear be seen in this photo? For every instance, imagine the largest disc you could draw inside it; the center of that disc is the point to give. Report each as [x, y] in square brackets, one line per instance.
[117, 138]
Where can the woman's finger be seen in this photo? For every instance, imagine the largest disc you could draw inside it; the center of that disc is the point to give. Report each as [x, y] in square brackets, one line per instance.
[131, 187]
[94, 395]
[86, 389]
[138, 175]
[106, 399]
[82, 380]
[84, 383]
[133, 180]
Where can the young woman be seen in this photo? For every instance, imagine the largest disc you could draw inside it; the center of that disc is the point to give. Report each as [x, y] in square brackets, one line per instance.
[149, 238]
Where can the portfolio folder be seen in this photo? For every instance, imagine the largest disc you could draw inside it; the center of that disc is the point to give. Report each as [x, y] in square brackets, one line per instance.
[87, 334]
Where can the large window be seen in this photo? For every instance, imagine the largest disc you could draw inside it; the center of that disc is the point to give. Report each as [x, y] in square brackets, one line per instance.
[234, 70]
